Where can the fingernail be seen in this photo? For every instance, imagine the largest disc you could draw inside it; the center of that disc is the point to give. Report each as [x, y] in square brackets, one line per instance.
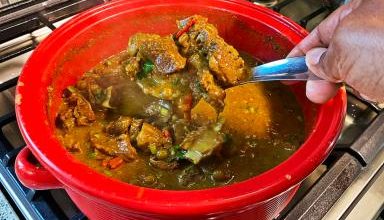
[314, 55]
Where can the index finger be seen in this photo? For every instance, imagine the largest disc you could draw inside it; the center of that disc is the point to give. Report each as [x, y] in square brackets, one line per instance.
[321, 36]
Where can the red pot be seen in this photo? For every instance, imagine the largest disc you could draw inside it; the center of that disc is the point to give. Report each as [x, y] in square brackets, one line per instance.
[100, 32]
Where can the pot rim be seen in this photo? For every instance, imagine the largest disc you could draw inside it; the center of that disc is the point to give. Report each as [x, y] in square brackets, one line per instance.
[88, 182]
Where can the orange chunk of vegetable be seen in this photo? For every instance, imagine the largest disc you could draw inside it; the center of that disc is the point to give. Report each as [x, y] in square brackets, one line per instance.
[247, 111]
[203, 113]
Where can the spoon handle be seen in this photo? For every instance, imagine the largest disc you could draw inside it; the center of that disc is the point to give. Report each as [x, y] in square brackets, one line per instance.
[293, 68]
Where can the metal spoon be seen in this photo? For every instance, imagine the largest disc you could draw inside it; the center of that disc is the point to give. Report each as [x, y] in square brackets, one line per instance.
[293, 68]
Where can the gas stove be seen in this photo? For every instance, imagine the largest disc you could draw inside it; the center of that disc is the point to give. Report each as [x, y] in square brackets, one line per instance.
[348, 185]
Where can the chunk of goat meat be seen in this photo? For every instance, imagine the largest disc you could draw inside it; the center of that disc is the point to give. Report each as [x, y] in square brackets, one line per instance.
[162, 51]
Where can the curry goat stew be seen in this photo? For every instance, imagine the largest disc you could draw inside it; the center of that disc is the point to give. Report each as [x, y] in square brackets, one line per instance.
[169, 113]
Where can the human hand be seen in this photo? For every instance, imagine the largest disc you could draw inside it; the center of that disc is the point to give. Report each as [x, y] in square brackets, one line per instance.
[347, 47]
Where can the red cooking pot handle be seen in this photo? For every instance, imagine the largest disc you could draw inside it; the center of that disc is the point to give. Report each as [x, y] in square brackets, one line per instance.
[32, 175]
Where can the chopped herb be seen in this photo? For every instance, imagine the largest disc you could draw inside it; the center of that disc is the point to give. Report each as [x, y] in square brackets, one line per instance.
[147, 68]
[176, 82]
[180, 154]
[107, 172]
[72, 89]
[177, 152]
[91, 154]
[141, 75]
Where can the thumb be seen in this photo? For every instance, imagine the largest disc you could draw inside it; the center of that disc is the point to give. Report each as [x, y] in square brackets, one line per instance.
[317, 90]
[315, 61]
